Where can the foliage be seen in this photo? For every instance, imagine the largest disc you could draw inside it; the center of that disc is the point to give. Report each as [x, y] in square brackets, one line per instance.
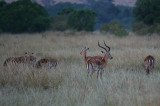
[60, 23]
[40, 24]
[2, 4]
[24, 16]
[114, 27]
[142, 29]
[56, 8]
[66, 11]
[105, 10]
[147, 11]
[82, 20]
[157, 28]
[71, 18]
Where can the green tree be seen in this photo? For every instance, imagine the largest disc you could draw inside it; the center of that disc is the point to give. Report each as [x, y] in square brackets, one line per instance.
[82, 20]
[66, 11]
[114, 27]
[2, 4]
[60, 21]
[24, 16]
[147, 11]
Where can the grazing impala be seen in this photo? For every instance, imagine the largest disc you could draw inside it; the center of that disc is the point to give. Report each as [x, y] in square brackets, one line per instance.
[46, 62]
[26, 59]
[98, 62]
[149, 63]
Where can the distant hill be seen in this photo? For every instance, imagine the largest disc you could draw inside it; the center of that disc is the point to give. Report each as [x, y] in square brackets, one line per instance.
[49, 2]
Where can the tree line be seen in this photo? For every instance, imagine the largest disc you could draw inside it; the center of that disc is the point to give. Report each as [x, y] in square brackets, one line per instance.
[27, 16]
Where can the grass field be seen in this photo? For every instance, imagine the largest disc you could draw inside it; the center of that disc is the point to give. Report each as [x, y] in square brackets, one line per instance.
[124, 82]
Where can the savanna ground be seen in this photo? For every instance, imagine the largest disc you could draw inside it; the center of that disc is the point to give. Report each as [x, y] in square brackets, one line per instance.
[124, 81]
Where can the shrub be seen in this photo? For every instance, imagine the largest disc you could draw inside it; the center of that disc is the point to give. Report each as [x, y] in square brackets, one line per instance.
[82, 20]
[60, 23]
[121, 32]
[114, 27]
[142, 29]
[157, 28]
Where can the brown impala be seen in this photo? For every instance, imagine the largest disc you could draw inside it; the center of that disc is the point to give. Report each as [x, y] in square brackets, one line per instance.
[99, 63]
[46, 62]
[26, 59]
[87, 58]
[149, 63]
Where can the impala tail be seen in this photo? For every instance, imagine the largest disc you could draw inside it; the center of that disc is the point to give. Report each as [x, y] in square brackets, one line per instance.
[5, 63]
[56, 64]
[38, 64]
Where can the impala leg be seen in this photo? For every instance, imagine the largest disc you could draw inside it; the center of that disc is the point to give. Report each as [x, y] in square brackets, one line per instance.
[89, 68]
[147, 71]
[91, 73]
[88, 73]
[97, 73]
[101, 71]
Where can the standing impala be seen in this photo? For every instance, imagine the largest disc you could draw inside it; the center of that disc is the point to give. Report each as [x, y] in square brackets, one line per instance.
[98, 62]
[86, 59]
[149, 63]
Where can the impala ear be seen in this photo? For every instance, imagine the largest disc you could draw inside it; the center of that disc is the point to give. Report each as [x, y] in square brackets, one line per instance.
[32, 53]
[102, 51]
[26, 53]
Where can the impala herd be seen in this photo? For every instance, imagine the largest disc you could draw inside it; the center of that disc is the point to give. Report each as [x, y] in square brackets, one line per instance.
[29, 59]
[94, 63]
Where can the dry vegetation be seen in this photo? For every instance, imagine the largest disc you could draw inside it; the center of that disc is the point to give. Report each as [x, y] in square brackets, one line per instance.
[124, 81]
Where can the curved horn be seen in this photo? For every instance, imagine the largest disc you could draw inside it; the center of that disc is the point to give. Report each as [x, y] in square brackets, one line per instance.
[102, 47]
[106, 46]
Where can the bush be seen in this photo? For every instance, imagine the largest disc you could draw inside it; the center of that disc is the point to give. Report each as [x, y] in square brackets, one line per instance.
[82, 20]
[157, 29]
[142, 29]
[40, 24]
[121, 32]
[114, 27]
[60, 23]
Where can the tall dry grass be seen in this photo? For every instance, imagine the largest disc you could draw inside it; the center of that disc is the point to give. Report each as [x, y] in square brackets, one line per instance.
[124, 81]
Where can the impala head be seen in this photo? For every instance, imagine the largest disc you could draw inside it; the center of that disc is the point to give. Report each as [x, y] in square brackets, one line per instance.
[107, 50]
[30, 57]
[84, 50]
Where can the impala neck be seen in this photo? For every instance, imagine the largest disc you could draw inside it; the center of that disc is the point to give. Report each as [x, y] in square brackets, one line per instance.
[106, 56]
[84, 55]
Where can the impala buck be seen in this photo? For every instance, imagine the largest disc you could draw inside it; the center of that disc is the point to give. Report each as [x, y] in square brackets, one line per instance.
[46, 62]
[26, 59]
[149, 63]
[98, 63]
